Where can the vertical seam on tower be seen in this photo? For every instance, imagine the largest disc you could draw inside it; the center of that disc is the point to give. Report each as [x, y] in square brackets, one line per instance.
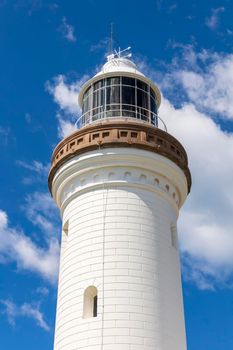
[105, 198]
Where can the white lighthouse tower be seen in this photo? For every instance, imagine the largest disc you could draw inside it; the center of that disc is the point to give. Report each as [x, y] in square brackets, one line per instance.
[119, 182]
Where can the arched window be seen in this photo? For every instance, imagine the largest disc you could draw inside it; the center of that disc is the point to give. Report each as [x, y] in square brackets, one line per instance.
[174, 239]
[65, 227]
[90, 302]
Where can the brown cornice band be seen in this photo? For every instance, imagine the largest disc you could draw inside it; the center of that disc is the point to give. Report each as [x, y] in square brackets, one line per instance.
[120, 133]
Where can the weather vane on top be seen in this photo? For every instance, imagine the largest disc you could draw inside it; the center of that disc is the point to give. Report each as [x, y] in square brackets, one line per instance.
[117, 53]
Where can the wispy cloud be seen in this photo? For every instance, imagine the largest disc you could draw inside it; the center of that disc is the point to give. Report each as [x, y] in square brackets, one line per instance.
[65, 94]
[13, 312]
[35, 166]
[28, 118]
[33, 6]
[206, 222]
[205, 78]
[16, 247]
[4, 135]
[102, 44]
[40, 209]
[197, 94]
[30, 311]
[10, 311]
[43, 291]
[206, 239]
[67, 30]
[213, 20]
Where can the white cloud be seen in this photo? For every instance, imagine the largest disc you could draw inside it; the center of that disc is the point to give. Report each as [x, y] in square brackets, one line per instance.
[28, 118]
[42, 212]
[213, 21]
[43, 291]
[10, 311]
[4, 135]
[206, 221]
[200, 85]
[35, 166]
[66, 96]
[38, 172]
[211, 89]
[14, 311]
[65, 126]
[30, 311]
[102, 44]
[204, 78]
[16, 247]
[67, 30]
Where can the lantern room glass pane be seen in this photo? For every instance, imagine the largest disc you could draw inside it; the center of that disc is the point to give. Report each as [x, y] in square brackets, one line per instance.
[128, 95]
[141, 85]
[115, 94]
[128, 81]
[87, 93]
[113, 81]
[129, 111]
[102, 93]
[99, 84]
[152, 105]
[152, 94]
[142, 99]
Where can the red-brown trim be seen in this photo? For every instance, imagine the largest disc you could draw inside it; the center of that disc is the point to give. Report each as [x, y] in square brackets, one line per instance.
[119, 134]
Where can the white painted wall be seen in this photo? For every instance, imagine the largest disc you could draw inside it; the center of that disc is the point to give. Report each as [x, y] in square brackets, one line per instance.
[120, 205]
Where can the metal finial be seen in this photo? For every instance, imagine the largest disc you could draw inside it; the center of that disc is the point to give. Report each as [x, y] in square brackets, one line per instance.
[118, 53]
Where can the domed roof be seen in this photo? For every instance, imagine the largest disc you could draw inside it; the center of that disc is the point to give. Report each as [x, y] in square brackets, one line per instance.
[119, 64]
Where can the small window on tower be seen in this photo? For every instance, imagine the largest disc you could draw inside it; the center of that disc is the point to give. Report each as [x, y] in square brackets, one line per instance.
[90, 304]
[65, 227]
[95, 306]
[174, 240]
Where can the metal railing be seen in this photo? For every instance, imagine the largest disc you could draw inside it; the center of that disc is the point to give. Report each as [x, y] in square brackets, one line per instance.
[120, 112]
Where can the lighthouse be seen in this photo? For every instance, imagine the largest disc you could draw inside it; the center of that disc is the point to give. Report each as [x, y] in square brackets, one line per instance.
[119, 181]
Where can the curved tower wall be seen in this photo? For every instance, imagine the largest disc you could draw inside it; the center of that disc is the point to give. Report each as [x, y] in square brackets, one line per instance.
[119, 209]
[119, 182]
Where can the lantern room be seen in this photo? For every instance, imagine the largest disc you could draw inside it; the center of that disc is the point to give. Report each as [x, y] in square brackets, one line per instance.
[119, 91]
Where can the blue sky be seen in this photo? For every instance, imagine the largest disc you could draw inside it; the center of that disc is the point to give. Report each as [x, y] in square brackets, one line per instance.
[48, 48]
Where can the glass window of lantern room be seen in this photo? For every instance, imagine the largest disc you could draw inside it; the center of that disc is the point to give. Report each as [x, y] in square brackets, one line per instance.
[142, 99]
[141, 85]
[113, 81]
[96, 102]
[99, 84]
[128, 81]
[108, 95]
[102, 101]
[128, 101]
[128, 95]
[152, 94]
[152, 105]
[115, 94]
